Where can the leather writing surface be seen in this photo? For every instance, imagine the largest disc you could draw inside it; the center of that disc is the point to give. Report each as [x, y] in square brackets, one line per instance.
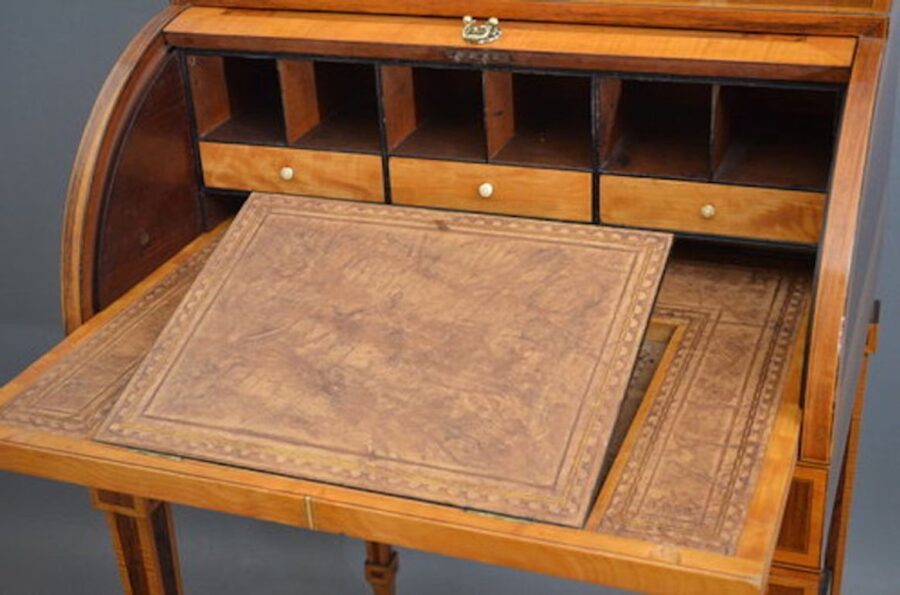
[77, 392]
[689, 478]
[470, 360]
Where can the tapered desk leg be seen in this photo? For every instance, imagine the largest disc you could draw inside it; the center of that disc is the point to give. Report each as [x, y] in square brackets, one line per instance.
[144, 541]
[381, 568]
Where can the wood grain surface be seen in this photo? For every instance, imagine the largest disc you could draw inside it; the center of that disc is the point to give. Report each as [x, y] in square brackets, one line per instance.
[740, 211]
[827, 394]
[477, 361]
[315, 173]
[844, 17]
[535, 44]
[529, 192]
[152, 205]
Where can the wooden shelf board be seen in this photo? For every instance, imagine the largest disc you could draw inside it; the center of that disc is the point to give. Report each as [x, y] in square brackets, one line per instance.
[259, 128]
[661, 153]
[353, 128]
[541, 148]
[784, 159]
[445, 138]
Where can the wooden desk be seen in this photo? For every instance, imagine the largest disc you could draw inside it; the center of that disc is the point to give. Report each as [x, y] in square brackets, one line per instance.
[746, 132]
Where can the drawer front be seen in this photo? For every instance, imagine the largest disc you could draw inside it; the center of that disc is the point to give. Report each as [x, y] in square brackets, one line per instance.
[551, 194]
[292, 171]
[785, 581]
[801, 536]
[717, 209]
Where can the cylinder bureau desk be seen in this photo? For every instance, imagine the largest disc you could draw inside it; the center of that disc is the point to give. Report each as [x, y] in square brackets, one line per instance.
[738, 147]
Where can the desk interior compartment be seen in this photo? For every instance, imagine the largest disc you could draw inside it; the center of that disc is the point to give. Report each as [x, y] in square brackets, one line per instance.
[434, 112]
[330, 105]
[775, 136]
[236, 99]
[538, 119]
[654, 128]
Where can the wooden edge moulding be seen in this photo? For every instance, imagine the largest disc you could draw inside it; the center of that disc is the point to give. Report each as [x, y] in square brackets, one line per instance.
[849, 18]
[536, 45]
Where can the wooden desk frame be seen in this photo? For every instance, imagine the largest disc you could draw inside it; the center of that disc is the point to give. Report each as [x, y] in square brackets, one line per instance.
[134, 489]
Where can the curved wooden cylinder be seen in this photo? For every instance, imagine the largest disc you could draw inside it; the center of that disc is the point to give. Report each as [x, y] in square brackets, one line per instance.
[133, 197]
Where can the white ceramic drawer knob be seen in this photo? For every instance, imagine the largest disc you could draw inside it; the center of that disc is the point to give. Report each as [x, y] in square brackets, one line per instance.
[486, 190]
[708, 211]
[286, 173]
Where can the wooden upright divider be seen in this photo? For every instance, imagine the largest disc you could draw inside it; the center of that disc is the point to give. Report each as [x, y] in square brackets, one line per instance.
[209, 90]
[499, 110]
[609, 94]
[299, 97]
[399, 101]
[719, 130]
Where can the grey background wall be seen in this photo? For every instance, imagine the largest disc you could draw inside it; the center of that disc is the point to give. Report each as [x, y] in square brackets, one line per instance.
[54, 55]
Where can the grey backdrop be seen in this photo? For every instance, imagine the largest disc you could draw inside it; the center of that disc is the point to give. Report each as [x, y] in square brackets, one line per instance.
[54, 55]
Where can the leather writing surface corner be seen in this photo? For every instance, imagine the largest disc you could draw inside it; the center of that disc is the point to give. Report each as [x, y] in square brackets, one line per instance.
[470, 360]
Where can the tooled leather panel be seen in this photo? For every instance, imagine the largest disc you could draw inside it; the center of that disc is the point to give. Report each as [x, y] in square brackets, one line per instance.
[79, 390]
[689, 478]
[470, 360]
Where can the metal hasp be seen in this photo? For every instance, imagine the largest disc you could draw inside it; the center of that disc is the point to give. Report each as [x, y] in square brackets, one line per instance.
[481, 32]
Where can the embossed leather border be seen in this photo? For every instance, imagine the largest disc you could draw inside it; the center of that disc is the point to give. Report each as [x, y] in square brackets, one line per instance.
[86, 407]
[566, 502]
[710, 515]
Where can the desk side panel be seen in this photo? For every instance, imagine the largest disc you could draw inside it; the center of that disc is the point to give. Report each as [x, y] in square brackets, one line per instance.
[135, 161]
[861, 308]
[852, 210]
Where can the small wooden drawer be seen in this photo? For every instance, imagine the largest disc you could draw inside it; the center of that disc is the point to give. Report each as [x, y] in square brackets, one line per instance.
[552, 194]
[785, 581]
[717, 209]
[800, 539]
[292, 171]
